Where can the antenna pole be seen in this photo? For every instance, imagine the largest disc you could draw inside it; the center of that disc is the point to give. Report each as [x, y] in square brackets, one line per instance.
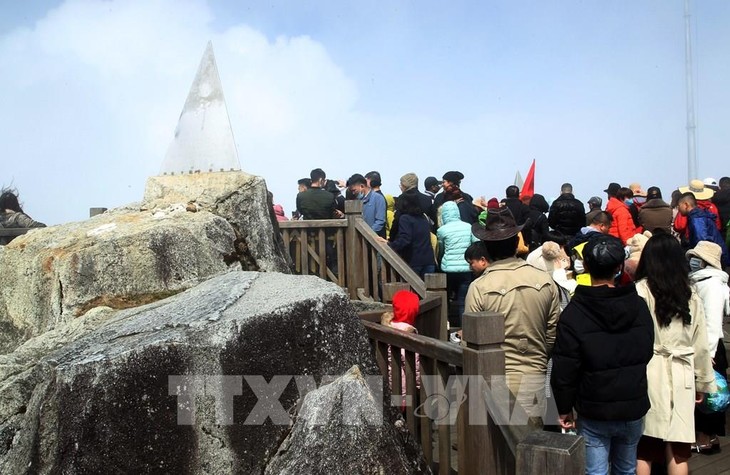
[691, 144]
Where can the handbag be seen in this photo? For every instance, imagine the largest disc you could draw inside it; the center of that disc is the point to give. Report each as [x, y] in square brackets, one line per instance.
[719, 400]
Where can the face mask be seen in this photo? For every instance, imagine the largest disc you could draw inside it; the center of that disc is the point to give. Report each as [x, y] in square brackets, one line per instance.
[360, 195]
[695, 263]
[578, 266]
[639, 200]
[629, 202]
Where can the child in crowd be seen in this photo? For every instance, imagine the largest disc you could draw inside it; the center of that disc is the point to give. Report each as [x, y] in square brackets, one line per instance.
[403, 317]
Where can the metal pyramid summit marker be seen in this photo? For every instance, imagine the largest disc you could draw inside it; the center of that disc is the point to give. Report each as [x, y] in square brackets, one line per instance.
[203, 138]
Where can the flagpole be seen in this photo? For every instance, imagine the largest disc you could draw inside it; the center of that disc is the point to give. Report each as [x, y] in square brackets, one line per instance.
[691, 144]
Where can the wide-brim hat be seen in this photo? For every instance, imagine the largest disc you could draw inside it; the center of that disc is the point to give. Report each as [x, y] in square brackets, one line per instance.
[637, 190]
[499, 225]
[698, 188]
[708, 252]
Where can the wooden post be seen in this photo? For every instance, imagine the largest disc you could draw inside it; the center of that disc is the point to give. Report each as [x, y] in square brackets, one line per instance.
[480, 437]
[389, 290]
[561, 453]
[353, 256]
[435, 323]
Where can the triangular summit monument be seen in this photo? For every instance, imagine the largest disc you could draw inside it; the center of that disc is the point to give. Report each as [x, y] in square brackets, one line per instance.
[203, 138]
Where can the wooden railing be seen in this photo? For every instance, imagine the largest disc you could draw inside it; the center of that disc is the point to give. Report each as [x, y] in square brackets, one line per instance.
[482, 445]
[359, 262]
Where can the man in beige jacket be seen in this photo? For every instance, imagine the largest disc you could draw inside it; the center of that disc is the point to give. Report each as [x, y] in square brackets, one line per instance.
[529, 300]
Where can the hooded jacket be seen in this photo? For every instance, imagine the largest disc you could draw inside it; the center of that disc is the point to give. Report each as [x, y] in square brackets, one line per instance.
[604, 341]
[655, 214]
[701, 227]
[711, 285]
[622, 225]
[454, 237]
[567, 215]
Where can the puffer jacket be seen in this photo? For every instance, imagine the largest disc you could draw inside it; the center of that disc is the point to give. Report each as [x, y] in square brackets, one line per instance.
[701, 227]
[680, 221]
[622, 225]
[454, 236]
[711, 285]
[655, 214]
[567, 215]
[604, 342]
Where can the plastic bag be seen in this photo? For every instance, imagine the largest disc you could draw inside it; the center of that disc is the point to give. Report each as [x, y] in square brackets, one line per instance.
[717, 401]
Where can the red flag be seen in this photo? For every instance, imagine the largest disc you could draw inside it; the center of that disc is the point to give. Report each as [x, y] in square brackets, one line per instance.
[528, 189]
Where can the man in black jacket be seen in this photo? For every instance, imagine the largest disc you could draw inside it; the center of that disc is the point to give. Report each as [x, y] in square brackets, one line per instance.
[567, 214]
[604, 341]
[512, 201]
[722, 201]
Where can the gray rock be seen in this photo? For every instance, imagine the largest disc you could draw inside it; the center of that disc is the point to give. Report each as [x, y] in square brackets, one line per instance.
[343, 427]
[119, 259]
[239, 198]
[101, 403]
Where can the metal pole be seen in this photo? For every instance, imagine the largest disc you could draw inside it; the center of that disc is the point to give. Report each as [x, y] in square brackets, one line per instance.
[691, 144]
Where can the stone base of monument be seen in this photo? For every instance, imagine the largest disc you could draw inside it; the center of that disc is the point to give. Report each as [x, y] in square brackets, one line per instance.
[206, 381]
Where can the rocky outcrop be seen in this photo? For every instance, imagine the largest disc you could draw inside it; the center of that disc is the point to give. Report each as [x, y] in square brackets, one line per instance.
[108, 392]
[189, 228]
[343, 426]
[119, 259]
[239, 198]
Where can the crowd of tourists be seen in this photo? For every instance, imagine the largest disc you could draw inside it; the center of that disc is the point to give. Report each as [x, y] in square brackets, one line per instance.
[620, 308]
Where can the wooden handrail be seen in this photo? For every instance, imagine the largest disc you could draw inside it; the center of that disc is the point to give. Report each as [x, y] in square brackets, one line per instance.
[423, 345]
[313, 224]
[491, 446]
[391, 257]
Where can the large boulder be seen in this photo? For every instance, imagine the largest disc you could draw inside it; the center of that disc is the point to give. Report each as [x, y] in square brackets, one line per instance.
[342, 425]
[239, 198]
[119, 259]
[140, 390]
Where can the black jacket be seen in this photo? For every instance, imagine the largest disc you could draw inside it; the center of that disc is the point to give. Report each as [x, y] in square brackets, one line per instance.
[722, 201]
[316, 203]
[519, 210]
[412, 194]
[467, 211]
[567, 215]
[605, 339]
[539, 222]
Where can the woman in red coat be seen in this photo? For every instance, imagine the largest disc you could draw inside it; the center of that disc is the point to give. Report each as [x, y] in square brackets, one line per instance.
[622, 225]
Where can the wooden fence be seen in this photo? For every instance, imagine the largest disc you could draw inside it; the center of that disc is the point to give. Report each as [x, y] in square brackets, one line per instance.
[347, 252]
[482, 445]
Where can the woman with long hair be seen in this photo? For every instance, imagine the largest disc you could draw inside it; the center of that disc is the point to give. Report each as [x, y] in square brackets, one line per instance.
[12, 215]
[680, 346]
[413, 241]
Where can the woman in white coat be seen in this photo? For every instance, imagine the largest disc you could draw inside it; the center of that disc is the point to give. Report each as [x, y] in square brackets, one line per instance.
[711, 283]
[681, 368]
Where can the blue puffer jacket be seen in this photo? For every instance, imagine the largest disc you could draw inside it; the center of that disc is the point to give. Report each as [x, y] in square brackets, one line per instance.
[701, 224]
[454, 236]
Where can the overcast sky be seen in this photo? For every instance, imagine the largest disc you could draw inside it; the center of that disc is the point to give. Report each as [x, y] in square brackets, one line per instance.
[593, 90]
